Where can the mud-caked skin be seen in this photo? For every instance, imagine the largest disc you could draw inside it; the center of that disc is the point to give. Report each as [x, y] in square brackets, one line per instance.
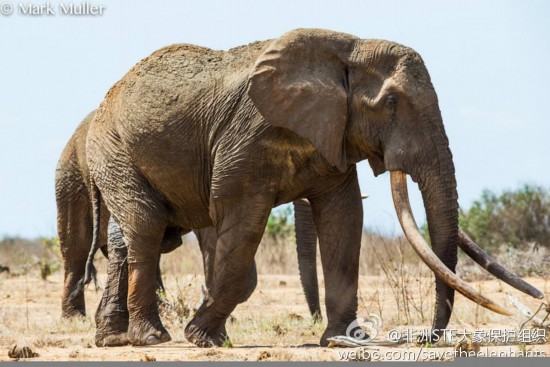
[75, 232]
[195, 138]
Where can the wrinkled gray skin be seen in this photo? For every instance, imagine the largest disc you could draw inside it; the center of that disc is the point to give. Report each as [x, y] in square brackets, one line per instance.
[194, 138]
[75, 233]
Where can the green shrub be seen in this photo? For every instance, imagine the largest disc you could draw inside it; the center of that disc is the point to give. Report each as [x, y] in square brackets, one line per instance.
[515, 218]
[280, 224]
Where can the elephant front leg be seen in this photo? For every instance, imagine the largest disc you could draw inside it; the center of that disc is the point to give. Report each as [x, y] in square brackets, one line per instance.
[208, 239]
[240, 226]
[338, 217]
[112, 313]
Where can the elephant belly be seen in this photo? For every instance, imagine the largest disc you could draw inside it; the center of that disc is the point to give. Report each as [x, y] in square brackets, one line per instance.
[177, 176]
[185, 197]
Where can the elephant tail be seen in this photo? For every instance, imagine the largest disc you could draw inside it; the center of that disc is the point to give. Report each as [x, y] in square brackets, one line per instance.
[91, 273]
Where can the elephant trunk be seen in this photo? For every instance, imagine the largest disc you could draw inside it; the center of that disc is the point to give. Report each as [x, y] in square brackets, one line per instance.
[440, 199]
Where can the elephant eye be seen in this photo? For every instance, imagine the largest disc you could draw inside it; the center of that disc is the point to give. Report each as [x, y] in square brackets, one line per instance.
[391, 101]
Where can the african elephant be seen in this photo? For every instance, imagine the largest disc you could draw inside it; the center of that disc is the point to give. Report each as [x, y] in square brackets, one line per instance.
[75, 225]
[194, 138]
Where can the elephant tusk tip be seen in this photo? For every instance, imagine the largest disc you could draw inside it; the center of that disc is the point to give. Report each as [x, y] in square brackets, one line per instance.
[500, 310]
[506, 312]
[364, 197]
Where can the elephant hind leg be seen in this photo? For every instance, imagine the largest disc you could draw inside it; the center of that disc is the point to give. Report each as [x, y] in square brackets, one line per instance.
[145, 326]
[74, 227]
[143, 237]
[75, 236]
[142, 215]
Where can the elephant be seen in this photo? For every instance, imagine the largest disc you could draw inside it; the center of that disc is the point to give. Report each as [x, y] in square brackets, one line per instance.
[4, 269]
[75, 230]
[196, 138]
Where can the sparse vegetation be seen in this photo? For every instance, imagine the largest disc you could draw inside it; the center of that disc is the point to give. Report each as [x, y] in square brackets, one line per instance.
[409, 280]
[227, 343]
[22, 255]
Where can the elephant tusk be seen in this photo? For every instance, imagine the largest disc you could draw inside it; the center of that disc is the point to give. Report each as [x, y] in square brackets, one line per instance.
[306, 201]
[404, 213]
[473, 250]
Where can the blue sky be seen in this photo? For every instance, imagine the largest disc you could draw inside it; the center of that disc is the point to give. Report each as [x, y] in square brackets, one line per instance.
[488, 61]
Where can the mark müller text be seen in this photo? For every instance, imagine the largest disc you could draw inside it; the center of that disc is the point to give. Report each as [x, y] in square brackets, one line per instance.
[67, 8]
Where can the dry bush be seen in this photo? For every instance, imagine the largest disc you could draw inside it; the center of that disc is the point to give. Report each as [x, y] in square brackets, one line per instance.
[186, 259]
[38, 256]
[408, 279]
[275, 255]
[526, 261]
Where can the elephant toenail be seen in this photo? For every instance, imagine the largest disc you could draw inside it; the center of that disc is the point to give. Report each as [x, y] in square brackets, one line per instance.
[165, 337]
[152, 340]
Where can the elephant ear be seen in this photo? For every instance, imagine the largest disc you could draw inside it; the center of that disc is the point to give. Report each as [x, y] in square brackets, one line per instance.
[300, 83]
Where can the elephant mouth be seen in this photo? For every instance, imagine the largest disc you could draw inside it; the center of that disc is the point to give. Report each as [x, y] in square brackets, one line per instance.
[406, 219]
[376, 162]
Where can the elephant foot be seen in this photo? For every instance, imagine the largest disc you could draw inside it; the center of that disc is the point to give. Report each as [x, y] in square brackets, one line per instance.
[145, 333]
[67, 314]
[112, 330]
[205, 337]
[112, 340]
[69, 311]
[343, 329]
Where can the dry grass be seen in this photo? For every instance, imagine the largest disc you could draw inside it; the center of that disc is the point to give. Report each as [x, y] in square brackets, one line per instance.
[273, 325]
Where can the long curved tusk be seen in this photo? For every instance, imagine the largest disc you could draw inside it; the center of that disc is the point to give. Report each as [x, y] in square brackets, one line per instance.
[473, 250]
[403, 209]
[303, 200]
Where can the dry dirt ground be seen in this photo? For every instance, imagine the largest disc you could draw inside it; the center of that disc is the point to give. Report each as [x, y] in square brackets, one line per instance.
[273, 325]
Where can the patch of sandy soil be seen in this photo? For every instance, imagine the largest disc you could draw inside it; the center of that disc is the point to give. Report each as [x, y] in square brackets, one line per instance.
[273, 325]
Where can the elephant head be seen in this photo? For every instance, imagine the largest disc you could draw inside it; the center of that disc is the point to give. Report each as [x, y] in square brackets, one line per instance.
[356, 99]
